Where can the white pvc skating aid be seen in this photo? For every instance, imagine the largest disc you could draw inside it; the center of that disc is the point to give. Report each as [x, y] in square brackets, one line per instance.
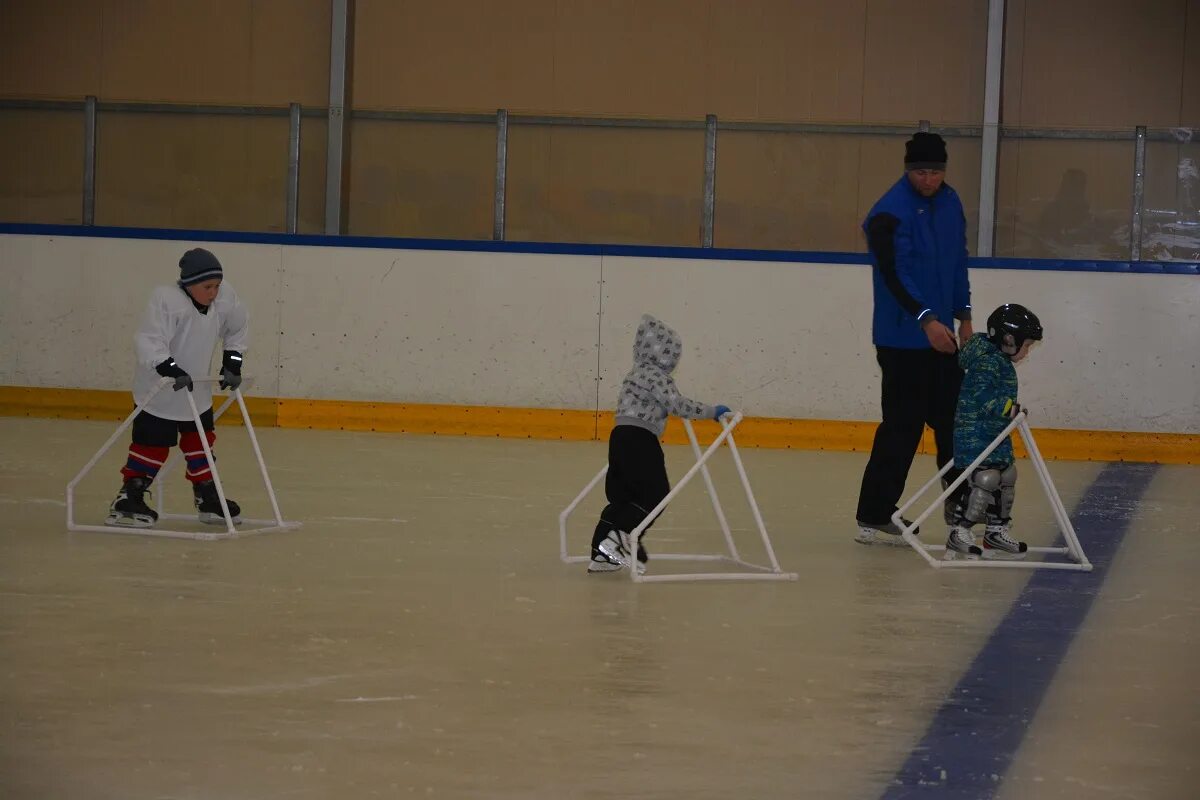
[1073, 550]
[247, 526]
[762, 573]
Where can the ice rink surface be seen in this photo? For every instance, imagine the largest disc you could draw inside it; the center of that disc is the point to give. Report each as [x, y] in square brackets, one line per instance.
[419, 636]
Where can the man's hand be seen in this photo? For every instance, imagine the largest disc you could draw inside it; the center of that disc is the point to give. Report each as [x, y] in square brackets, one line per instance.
[940, 337]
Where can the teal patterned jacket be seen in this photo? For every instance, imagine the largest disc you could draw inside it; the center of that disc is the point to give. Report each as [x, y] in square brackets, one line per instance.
[985, 400]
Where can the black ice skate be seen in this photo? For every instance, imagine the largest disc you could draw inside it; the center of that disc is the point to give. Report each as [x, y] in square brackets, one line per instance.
[208, 505]
[129, 509]
[887, 533]
[997, 544]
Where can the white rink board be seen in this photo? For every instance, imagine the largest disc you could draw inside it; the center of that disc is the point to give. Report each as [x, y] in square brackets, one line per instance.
[767, 338]
[71, 305]
[447, 327]
[774, 339]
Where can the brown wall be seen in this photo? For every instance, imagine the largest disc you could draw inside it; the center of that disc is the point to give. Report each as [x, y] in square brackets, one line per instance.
[1112, 64]
[739, 59]
[254, 52]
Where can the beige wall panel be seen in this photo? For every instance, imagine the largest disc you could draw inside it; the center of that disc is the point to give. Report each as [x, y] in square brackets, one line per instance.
[41, 161]
[460, 54]
[1189, 114]
[184, 52]
[604, 185]
[788, 191]
[631, 57]
[289, 52]
[190, 171]
[32, 29]
[1064, 199]
[421, 179]
[1089, 63]
[785, 60]
[925, 61]
[1014, 59]
[265, 52]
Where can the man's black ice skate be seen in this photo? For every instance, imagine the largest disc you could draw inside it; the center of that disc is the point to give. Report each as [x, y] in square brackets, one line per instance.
[208, 505]
[129, 509]
[883, 533]
[998, 545]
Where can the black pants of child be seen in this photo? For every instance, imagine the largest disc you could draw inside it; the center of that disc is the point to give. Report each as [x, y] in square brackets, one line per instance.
[920, 387]
[636, 481]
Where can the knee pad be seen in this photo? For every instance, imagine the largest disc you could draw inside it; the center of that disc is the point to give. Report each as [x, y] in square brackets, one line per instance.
[955, 504]
[985, 483]
[1008, 490]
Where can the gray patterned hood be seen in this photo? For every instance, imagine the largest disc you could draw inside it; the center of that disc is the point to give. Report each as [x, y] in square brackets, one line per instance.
[658, 344]
[648, 393]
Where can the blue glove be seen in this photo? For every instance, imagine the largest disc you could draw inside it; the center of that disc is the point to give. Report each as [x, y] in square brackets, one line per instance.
[721, 411]
[169, 369]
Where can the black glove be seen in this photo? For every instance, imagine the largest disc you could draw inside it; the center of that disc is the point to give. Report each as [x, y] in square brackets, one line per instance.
[231, 370]
[169, 369]
[1017, 408]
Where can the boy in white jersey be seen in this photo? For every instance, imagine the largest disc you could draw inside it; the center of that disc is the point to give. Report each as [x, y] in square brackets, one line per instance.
[176, 339]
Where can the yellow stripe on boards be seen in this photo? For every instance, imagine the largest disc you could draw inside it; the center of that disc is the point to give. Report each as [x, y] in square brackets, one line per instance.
[543, 423]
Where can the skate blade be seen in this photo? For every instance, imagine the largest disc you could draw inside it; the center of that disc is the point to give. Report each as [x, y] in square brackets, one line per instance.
[1002, 555]
[209, 518]
[129, 522]
[954, 555]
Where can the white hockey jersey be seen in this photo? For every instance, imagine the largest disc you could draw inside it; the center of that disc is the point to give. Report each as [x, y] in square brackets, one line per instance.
[174, 328]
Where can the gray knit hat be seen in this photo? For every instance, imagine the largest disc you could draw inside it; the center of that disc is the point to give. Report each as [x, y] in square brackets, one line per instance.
[198, 265]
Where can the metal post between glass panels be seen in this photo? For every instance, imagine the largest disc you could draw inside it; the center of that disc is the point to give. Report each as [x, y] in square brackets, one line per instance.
[89, 161]
[501, 174]
[710, 180]
[1139, 193]
[339, 30]
[293, 169]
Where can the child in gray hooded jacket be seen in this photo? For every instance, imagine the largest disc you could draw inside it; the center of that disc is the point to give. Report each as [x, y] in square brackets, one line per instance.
[637, 471]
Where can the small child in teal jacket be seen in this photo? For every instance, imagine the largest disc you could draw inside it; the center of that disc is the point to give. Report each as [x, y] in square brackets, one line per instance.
[987, 402]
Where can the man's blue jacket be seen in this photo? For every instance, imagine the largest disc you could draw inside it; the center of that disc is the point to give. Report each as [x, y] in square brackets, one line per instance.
[919, 250]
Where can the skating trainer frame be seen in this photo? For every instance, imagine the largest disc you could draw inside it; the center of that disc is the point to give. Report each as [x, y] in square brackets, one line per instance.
[248, 526]
[762, 573]
[1073, 550]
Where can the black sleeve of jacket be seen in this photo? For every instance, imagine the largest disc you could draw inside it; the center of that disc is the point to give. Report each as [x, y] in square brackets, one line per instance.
[881, 238]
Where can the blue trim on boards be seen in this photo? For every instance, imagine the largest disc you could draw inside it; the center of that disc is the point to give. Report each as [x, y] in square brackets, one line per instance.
[975, 734]
[566, 248]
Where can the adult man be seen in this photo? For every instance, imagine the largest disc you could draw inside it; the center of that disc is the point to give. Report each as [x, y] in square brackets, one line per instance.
[916, 234]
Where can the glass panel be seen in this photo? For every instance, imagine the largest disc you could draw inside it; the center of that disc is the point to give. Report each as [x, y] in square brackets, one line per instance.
[1062, 198]
[421, 179]
[811, 191]
[41, 159]
[201, 171]
[310, 214]
[605, 185]
[1171, 209]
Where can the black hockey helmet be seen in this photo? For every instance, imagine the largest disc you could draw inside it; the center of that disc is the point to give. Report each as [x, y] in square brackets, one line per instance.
[1016, 321]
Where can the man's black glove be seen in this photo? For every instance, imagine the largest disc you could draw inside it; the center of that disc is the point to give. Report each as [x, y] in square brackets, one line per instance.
[231, 370]
[169, 369]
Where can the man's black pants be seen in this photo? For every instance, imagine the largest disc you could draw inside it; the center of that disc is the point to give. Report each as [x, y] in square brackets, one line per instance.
[920, 387]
